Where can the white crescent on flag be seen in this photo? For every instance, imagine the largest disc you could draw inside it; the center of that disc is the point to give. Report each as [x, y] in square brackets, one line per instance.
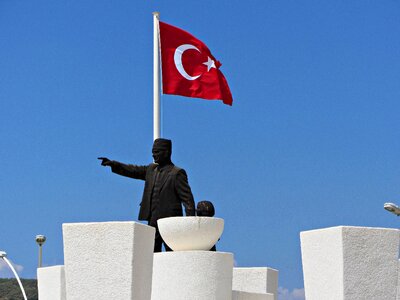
[178, 61]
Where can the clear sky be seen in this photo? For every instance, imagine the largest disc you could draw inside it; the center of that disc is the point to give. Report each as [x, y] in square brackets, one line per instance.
[312, 139]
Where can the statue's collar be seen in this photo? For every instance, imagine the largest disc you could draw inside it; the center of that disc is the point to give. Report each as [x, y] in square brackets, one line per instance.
[165, 167]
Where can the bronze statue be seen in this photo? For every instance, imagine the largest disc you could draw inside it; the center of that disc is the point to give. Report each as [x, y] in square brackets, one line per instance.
[166, 187]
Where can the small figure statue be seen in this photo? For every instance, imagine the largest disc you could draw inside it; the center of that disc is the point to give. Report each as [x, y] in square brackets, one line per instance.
[166, 187]
[206, 209]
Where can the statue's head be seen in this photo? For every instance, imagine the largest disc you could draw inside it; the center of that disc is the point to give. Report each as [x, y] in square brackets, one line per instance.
[205, 209]
[162, 149]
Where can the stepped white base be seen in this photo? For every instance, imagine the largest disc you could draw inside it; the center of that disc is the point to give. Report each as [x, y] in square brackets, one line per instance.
[200, 275]
[240, 295]
[256, 280]
[51, 283]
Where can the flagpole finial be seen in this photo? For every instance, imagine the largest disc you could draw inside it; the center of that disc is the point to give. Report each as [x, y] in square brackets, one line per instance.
[156, 13]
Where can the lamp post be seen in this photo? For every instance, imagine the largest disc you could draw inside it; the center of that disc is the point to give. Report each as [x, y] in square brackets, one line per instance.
[40, 239]
[3, 255]
[393, 208]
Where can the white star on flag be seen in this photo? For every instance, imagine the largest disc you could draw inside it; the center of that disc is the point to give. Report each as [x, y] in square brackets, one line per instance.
[210, 64]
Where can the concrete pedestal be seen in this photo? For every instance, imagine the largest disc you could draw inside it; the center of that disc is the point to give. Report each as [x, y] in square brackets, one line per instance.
[240, 295]
[256, 280]
[51, 283]
[200, 275]
[350, 263]
[398, 283]
[111, 260]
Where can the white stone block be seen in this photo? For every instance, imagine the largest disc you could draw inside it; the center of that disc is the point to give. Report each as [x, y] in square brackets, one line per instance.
[350, 263]
[398, 283]
[110, 260]
[256, 280]
[240, 295]
[51, 283]
[200, 275]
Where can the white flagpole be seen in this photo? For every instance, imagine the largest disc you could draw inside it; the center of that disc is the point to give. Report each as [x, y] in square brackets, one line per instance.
[156, 78]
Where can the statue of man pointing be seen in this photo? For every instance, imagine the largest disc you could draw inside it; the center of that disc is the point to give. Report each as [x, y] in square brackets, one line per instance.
[166, 187]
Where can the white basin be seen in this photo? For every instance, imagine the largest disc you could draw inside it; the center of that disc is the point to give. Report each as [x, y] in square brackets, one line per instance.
[190, 233]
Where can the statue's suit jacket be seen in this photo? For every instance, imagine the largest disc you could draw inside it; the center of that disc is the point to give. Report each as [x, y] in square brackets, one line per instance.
[174, 192]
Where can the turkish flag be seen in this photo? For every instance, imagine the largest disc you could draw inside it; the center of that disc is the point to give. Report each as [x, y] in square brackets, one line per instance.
[188, 67]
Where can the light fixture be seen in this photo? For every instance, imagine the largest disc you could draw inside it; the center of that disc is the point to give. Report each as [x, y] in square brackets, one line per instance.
[393, 208]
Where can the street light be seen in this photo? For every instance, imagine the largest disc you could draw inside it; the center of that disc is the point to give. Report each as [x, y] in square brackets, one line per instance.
[3, 255]
[40, 239]
[393, 208]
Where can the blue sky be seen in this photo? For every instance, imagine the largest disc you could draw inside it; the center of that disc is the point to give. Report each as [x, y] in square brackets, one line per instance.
[312, 139]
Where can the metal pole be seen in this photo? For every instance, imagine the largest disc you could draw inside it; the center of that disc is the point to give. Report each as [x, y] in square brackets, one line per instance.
[40, 257]
[156, 78]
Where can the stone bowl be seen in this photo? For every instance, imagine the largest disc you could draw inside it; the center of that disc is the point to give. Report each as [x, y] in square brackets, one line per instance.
[190, 233]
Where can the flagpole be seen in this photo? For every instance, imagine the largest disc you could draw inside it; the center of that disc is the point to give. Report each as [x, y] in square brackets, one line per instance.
[156, 78]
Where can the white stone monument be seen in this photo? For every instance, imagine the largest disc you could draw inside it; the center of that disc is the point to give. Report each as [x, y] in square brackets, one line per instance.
[350, 263]
[256, 280]
[200, 275]
[240, 295]
[398, 283]
[51, 283]
[110, 260]
[194, 273]
[115, 261]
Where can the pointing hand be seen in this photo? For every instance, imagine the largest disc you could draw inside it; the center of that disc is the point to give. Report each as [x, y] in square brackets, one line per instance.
[105, 161]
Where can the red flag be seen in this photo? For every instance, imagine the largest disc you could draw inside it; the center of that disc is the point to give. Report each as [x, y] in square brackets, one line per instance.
[188, 67]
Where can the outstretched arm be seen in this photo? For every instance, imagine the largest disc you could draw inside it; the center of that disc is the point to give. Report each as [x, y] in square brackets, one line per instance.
[184, 192]
[132, 171]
